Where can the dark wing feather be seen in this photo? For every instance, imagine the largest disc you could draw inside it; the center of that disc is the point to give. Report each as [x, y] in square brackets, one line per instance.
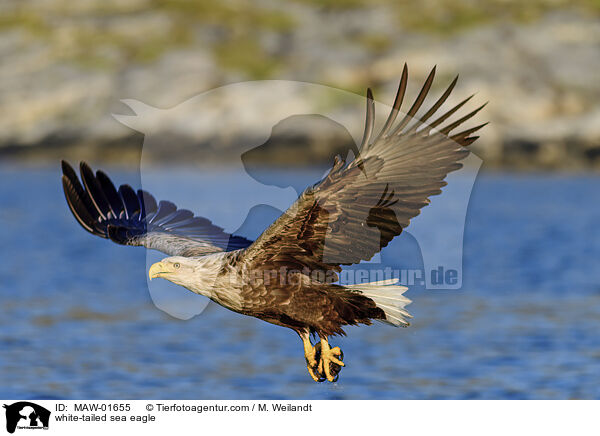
[359, 207]
[128, 217]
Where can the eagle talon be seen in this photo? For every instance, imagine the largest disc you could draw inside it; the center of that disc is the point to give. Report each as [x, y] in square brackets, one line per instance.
[315, 374]
[329, 364]
[313, 370]
[312, 355]
[334, 369]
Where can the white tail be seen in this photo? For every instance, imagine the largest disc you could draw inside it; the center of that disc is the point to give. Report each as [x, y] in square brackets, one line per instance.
[387, 295]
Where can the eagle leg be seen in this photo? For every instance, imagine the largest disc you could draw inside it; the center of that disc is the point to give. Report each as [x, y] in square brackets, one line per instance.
[312, 359]
[329, 364]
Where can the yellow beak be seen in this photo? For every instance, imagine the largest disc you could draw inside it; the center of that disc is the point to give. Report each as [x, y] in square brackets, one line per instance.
[156, 270]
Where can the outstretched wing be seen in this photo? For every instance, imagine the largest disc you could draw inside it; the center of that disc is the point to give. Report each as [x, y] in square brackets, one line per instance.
[128, 217]
[359, 207]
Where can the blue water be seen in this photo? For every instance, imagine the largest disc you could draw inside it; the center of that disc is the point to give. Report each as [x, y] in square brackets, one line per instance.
[77, 319]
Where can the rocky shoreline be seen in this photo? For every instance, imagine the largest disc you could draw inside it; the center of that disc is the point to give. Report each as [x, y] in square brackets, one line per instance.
[539, 75]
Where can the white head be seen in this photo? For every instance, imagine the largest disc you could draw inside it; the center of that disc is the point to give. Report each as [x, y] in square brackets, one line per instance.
[177, 269]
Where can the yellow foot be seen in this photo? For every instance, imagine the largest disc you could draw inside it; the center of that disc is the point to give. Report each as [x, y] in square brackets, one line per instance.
[310, 354]
[329, 364]
[313, 371]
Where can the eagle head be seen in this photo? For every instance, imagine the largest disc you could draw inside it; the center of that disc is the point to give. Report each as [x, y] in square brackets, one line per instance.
[176, 269]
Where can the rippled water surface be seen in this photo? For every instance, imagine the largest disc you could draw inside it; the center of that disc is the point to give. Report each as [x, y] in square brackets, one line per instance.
[77, 319]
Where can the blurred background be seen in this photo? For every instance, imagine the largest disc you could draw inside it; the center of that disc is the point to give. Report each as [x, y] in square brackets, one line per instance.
[66, 65]
[76, 318]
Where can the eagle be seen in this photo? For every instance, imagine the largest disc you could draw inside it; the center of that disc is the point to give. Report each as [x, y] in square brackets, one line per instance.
[289, 276]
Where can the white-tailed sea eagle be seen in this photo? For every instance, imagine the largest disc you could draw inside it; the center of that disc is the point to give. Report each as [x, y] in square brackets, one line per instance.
[287, 276]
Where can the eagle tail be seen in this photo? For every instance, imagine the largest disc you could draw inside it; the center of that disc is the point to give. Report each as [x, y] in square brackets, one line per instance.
[387, 295]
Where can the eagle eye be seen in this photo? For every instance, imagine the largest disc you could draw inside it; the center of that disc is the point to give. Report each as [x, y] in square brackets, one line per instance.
[176, 265]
